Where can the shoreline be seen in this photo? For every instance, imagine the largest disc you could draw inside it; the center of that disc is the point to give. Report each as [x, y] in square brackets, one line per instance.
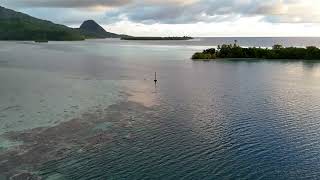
[156, 38]
[255, 59]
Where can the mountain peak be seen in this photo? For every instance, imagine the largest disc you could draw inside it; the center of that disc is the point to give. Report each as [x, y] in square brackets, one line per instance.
[89, 23]
[93, 30]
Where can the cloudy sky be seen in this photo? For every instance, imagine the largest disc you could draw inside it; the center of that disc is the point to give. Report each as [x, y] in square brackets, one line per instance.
[183, 17]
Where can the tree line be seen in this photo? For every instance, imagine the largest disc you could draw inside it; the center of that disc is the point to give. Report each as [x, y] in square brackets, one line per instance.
[276, 52]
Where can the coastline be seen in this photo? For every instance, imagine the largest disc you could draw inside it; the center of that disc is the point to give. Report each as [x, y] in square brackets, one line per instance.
[156, 38]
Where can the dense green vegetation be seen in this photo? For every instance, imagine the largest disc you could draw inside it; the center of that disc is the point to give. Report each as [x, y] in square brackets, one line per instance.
[156, 38]
[19, 26]
[21, 30]
[277, 52]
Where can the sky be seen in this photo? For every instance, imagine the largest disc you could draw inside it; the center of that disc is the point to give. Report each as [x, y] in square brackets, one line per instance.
[197, 18]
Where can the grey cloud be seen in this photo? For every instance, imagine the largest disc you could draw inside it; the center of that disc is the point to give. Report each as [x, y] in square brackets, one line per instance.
[275, 11]
[67, 3]
[202, 11]
[191, 11]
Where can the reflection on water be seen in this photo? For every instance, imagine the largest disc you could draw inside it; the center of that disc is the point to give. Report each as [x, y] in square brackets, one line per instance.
[90, 110]
[144, 94]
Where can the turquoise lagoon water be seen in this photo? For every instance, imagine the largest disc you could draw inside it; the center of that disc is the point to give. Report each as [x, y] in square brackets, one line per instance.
[90, 110]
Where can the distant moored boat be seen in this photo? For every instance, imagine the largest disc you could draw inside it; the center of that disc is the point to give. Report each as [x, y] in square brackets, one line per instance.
[155, 77]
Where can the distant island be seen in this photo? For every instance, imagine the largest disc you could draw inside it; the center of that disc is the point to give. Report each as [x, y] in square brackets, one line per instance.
[22, 27]
[156, 38]
[276, 52]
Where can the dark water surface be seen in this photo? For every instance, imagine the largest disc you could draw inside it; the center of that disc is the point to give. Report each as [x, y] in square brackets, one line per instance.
[90, 110]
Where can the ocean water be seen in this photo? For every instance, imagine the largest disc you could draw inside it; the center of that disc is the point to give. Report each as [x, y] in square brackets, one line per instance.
[90, 110]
